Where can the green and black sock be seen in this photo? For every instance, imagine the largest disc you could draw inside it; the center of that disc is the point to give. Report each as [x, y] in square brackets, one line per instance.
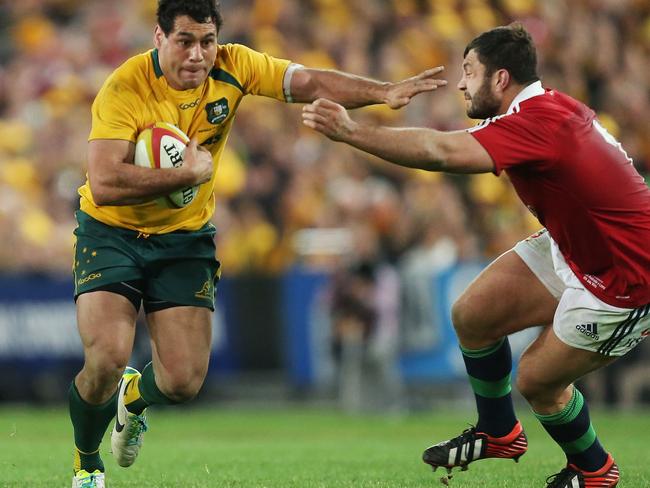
[572, 430]
[489, 374]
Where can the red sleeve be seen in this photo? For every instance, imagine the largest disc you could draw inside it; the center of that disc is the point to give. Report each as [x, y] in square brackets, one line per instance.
[515, 139]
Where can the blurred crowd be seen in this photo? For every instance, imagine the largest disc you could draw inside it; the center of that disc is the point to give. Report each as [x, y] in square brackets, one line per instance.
[287, 195]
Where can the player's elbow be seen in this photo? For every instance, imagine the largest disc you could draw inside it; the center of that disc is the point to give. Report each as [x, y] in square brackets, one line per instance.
[101, 192]
[305, 86]
[102, 198]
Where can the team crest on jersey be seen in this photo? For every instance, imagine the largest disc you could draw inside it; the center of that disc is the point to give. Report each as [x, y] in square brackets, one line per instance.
[217, 111]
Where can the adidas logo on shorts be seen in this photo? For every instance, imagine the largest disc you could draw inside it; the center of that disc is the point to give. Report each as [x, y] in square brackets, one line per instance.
[590, 330]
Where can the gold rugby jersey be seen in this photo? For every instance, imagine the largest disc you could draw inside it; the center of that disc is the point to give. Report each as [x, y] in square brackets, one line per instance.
[136, 95]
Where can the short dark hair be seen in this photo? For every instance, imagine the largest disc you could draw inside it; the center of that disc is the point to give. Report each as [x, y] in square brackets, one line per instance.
[508, 47]
[199, 10]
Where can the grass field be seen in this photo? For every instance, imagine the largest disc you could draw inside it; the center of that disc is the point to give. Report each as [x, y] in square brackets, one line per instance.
[229, 448]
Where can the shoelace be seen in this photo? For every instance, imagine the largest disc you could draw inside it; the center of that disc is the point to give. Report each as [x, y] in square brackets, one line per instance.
[137, 427]
[89, 482]
[557, 479]
[466, 436]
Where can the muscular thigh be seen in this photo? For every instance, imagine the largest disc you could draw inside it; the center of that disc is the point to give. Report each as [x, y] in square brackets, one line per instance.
[505, 298]
[586, 335]
[106, 323]
[181, 338]
[549, 366]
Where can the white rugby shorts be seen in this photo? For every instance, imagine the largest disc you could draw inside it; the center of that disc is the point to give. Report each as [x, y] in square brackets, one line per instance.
[582, 320]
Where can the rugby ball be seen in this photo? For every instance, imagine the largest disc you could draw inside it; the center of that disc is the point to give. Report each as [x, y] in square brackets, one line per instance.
[162, 145]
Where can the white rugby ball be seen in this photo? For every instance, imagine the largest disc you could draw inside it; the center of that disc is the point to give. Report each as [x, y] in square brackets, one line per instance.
[162, 145]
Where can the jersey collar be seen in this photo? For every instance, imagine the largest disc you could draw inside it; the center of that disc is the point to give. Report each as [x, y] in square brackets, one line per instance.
[533, 90]
[156, 63]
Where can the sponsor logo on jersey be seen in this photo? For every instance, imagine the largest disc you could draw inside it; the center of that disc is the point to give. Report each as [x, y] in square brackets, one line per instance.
[187, 106]
[590, 330]
[217, 111]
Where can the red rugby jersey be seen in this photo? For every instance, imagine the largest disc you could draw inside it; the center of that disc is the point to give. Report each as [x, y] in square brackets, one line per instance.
[579, 182]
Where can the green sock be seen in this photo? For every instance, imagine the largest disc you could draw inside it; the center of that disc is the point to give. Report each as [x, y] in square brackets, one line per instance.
[88, 462]
[149, 391]
[89, 423]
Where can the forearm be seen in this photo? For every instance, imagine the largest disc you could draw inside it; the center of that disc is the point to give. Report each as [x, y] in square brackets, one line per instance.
[349, 90]
[408, 147]
[427, 149]
[127, 184]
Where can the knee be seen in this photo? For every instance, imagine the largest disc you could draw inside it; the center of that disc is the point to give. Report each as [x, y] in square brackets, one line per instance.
[182, 385]
[466, 320]
[543, 394]
[100, 375]
[530, 385]
[106, 366]
[459, 317]
[526, 385]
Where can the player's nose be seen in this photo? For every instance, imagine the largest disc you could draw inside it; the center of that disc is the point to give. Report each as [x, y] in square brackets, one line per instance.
[196, 54]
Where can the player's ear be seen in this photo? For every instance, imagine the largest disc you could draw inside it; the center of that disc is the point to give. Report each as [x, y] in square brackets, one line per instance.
[158, 35]
[503, 79]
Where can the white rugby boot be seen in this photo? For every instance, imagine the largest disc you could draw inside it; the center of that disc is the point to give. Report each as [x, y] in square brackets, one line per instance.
[84, 479]
[126, 438]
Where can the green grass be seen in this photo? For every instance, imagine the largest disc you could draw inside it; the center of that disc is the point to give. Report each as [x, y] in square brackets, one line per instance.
[256, 448]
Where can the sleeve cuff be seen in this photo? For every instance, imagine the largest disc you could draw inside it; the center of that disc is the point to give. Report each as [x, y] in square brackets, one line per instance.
[286, 84]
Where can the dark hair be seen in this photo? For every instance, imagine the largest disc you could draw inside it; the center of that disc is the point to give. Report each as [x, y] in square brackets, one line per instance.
[510, 48]
[199, 10]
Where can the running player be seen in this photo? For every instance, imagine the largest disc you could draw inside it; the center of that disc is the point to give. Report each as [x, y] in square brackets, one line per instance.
[130, 251]
[586, 276]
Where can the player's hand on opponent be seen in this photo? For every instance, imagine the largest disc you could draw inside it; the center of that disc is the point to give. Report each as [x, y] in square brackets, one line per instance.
[328, 118]
[400, 93]
[198, 161]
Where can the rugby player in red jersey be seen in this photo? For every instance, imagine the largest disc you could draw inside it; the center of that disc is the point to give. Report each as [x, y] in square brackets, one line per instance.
[585, 276]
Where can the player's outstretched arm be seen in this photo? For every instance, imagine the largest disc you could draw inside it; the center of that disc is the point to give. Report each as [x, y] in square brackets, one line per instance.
[427, 149]
[353, 91]
[114, 180]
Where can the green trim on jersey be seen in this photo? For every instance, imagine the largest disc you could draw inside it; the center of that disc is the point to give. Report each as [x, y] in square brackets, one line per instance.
[221, 75]
[156, 63]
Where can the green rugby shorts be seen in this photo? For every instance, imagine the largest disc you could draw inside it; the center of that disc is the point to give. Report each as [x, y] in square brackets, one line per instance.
[179, 267]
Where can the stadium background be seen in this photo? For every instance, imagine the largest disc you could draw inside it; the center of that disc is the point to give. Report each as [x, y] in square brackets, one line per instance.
[303, 224]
